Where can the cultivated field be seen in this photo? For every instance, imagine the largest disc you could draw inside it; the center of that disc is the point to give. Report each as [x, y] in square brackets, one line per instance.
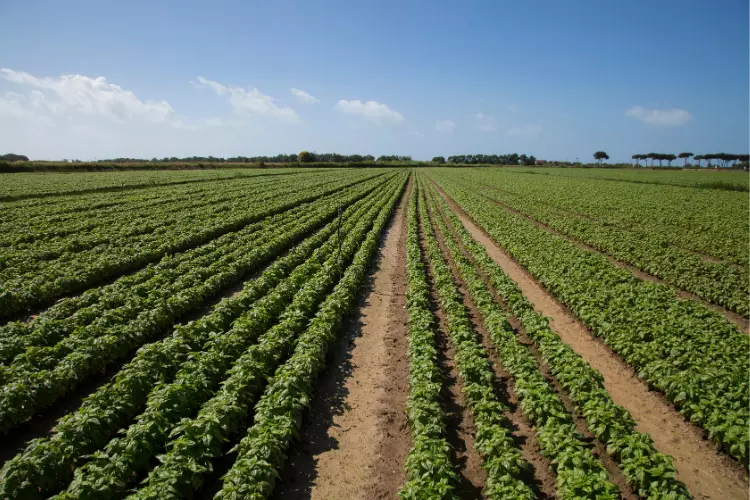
[370, 333]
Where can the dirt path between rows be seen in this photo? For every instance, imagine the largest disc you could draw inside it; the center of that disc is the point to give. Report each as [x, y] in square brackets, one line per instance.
[356, 437]
[706, 472]
[738, 320]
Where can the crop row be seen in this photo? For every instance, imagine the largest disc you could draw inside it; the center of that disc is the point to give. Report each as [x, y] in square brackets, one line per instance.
[278, 414]
[47, 463]
[691, 354]
[56, 243]
[650, 473]
[91, 349]
[708, 221]
[430, 472]
[34, 288]
[54, 222]
[579, 473]
[49, 339]
[501, 457]
[35, 186]
[94, 302]
[128, 296]
[59, 243]
[716, 282]
[124, 458]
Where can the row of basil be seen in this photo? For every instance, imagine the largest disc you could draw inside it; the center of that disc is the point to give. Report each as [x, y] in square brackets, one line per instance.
[698, 359]
[716, 282]
[650, 473]
[278, 413]
[242, 358]
[708, 221]
[25, 391]
[430, 471]
[501, 457]
[47, 464]
[79, 270]
[131, 294]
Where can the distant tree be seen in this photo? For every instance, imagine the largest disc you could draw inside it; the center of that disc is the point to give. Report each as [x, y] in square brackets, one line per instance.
[305, 157]
[637, 158]
[743, 161]
[13, 157]
[438, 159]
[532, 160]
[726, 159]
[685, 156]
[708, 157]
[669, 158]
[600, 155]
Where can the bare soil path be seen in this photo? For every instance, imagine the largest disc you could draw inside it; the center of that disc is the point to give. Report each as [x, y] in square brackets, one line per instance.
[356, 437]
[707, 472]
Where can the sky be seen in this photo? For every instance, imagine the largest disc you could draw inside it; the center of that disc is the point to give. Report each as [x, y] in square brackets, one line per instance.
[558, 80]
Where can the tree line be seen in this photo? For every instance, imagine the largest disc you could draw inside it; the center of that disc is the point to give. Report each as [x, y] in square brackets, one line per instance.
[722, 159]
[506, 159]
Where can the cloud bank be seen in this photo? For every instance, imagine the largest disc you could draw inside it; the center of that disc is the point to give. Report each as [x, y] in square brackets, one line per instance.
[250, 101]
[304, 96]
[445, 126]
[660, 117]
[375, 112]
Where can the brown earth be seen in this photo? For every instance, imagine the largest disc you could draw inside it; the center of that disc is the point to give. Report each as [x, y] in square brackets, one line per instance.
[707, 472]
[356, 437]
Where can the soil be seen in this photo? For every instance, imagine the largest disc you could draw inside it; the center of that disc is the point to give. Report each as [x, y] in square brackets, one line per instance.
[356, 437]
[707, 472]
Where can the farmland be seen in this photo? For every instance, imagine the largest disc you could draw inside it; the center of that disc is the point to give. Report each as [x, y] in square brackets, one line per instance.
[374, 333]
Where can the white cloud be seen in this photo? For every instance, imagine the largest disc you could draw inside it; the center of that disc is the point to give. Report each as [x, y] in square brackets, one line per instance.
[76, 116]
[513, 108]
[485, 123]
[304, 96]
[377, 113]
[89, 96]
[214, 122]
[416, 134]
[660, 117]
[250, 101]
[525, 131]
[444, 126]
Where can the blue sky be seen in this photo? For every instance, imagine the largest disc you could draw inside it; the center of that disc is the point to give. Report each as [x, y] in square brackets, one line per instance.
[85, 79]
